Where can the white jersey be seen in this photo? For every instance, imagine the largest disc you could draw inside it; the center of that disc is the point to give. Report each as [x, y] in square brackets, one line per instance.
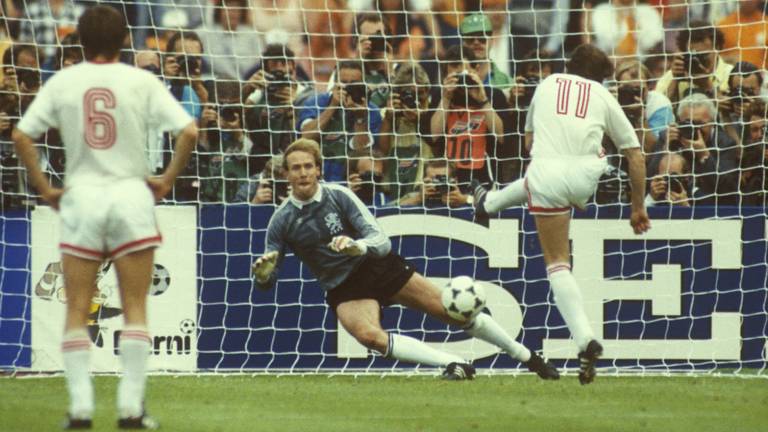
[106, 113]
[569, 114]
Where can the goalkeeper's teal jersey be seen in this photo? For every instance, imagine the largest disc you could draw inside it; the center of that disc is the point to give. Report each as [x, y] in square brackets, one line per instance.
[307, 229]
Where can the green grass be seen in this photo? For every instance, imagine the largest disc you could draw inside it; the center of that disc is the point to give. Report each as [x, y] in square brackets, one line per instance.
[417, 403]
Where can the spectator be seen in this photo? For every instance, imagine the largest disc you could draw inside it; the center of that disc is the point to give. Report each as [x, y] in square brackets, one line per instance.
[327, 33]
[69, 53]
[697, 67]
[440, 187]
[341, 120]
[366, 177]
[232, 44]
[410, 24]
[713, 155]
[150, 61]
[754, 160]
[21, 81]
[745, 83]
[404, 130]
[476, 31]
[744, 34]
[182, 68]
[227, 145]
[267, 187]
[622, 28]
[671, 184]
[272, 93]
[534, 25]
[649, 111]
[467, 125]
[374, 51]
[45, 22]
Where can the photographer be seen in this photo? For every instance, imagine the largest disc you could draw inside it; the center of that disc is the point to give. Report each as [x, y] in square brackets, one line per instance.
[745, 84]
[182, 69]
[649, 111]
[754, 159]
[224, 153]
[270, 96]
[374, 51]
[476, 31]
[711, 153]
[405, 128]
[267, 187]
[366, 177]
[672, 184]
[440, 187]
[467, 125]
[697, 67]
[341, 120]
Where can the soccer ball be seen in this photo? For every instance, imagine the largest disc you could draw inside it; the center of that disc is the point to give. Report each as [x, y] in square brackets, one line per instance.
[463, 299]
[161, 279]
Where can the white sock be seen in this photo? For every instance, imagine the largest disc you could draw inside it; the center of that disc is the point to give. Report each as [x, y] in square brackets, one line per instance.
[76, 351]
[570, 303]
[134, 350]
[410, 350]
[484, 327]
[514, 194]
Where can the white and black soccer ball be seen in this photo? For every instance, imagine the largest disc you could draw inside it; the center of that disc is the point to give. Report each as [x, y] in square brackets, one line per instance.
[463, 299]
[161, 280]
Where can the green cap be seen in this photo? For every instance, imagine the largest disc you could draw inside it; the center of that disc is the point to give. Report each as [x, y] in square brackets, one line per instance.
[475, 23]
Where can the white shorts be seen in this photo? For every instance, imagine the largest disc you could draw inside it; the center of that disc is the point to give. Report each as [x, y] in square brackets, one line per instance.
[555, 185]
[107, 222]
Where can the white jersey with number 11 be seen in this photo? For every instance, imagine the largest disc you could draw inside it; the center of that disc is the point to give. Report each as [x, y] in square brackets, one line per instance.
[104, 113]
[569, 115]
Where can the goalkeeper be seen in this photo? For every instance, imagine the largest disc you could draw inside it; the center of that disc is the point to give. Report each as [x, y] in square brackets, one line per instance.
[338, 238]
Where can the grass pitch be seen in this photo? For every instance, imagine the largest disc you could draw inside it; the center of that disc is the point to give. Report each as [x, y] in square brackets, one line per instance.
[416, 403]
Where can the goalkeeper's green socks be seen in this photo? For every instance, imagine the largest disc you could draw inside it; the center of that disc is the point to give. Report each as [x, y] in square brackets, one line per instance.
[76, 352]
[134, 350]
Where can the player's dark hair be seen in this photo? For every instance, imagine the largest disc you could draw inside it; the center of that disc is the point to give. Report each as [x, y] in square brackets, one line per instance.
[182, 36]
[699, 31]
[588, 61]
[102, 31]
[307, 146]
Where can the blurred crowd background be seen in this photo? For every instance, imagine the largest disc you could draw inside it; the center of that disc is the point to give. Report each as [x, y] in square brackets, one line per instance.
[414, 102]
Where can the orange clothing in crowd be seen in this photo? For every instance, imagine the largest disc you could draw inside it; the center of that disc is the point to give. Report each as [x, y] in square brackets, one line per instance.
[745, 37]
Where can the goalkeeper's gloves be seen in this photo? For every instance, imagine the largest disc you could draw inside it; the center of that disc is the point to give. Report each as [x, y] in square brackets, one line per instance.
[263, 267]
[347, 246]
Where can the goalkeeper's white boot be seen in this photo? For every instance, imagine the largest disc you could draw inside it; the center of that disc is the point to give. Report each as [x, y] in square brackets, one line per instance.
[587, 360]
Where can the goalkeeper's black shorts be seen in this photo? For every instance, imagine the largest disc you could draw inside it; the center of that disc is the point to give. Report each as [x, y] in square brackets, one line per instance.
[375, 278]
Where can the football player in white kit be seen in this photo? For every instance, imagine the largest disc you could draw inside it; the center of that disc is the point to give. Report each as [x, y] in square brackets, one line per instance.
[564, 129]
[105, 111]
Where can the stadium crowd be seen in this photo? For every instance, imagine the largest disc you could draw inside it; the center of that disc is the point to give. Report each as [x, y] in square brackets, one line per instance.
[414, 100]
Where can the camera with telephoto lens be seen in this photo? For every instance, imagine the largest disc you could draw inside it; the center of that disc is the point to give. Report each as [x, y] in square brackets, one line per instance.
[276, 81]
[628, 95]
[29, 77]
[688, 130]
[695, 63]
[461, 96]
[674, 183]
[738, 95]
[408, 98]
[368, 181]
[356, 91]
[279, 189]
[230, 113]
[378, 42]
[530, 83]
[188, 65]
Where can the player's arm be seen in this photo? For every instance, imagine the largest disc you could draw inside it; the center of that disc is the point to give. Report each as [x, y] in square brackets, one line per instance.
[528, 141]
[25, 149]
[373, 240]
[185, 143]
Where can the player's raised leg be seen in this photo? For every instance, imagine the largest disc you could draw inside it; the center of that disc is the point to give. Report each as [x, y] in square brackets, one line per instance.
[80, 285]
[362, 319]
[134, 272]
[553, 235]
[489, 202]
[421, 294]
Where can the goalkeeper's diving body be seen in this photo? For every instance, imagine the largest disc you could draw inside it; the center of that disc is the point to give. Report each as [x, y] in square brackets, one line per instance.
[338, 238]
[564, 130]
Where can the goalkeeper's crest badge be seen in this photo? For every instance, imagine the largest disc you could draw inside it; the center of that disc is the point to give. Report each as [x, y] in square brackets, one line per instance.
[333, 223]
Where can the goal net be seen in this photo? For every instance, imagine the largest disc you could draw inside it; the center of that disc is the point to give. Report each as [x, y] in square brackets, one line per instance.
[394, 92]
